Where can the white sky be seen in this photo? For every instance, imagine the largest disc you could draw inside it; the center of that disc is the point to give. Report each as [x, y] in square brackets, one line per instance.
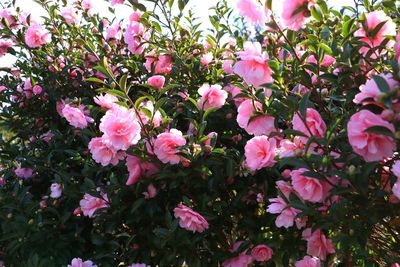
[199, 8]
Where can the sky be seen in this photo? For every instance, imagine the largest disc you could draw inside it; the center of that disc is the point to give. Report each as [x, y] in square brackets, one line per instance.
[199, 8]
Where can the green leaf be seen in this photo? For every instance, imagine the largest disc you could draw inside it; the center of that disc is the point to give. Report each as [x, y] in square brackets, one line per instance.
[122, 82]
[382, 83]
[303, 105]
[380, 130]
[96, 80]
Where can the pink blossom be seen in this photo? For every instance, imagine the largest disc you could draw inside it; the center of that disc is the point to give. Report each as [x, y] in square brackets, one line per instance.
[242, 260]
[396, 47]
[36, 36]
[372, 20]
[254, 12]
[135, 16]
[135, 37]
[157, 81]
[120, 127]
[211, 96]
[114, 32]
[37, 89]
[317, 243]
[165, 146]
[260, 152]
[326, 62]
[294, 13]
[371, 89]
[2, 88]
[151, 192]
[89, 204]
[287, 215]
[261, 253]
[253, 66]
[56, 190]
[139, 265]
[370, 146]
[76, 116]
[138, 169]
[289, 148]
[227, 66]
[161, 63]
[285, 188]
[261, 125]
[87, 5]
[396, 169]
[8, 14]
[189, 219]
[308, 188]
[117, 2]
[106, 101]
[206, 59]
[210, 136]
[103, 153]
[70, 15]
[23, 172]
[145, 118]
[77, 262]
[308, 261]
[47, 136]
[315, 125]
[5, 46]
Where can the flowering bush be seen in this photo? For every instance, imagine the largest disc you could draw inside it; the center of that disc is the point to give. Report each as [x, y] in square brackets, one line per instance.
[268, 140]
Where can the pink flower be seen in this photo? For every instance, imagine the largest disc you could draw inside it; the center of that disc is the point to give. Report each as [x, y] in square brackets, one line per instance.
[396, 169]
[75, 116]
[103, 153]
[87, 5]
[36, 36]
[23, 172]
[310, 189]
[138, 169]
[253, 66]
[151, 192]
[261, 125]
[396, 189]
[47, 136]
[206, 59]
[8, 14]
[308, 261]
[317, 243]
[289, 148]
[89, 204]
[157, 81]
[261, 253]
[2, 88]
[106, 101]
[287, 215]
[371, 89]
[189, 219]
[227, 66]
[5, 45]
[254, 12]
[315, 124]
[77, 262]
[135, 37]
[114, 32]
[294, 13]
[260, 153]
[161, 64]
[372, 20]
[211, 96]
[37, 89]
[135, 16]
[139, 265]
[56, 190]
[121, 128]
[165, 146]
[370, 146]
[70, 15]
[326, 62]
[242, 260]
[117, 2]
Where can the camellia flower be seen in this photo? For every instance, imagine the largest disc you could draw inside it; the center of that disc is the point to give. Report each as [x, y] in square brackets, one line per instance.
[76, 116]
[106, 101]
[260, 152]
[135, 37]
[315, 125]
[317, 243]
[120, 127]
[261, 125]
[189, 219]
[24, 172]
[287, 215]
[56, 190]
[89, 204]
[8, 14]
[77, 262]
[165, 146]
[396, 171]
[308, 261]
[117, 2]
[326, 62]
[36, 36]
[294, 13]
[151, 192]
[211, 96]
[206, 59]
[242, 260]
[261, 253]
[308, 188]
[70, 15]
[157, 81]
[254, 12]
[114, 32]
[139, 265]
[138, 169]
[371, 89]
[372, 20]
[253, 66]
[161, 63]
[5, 46]
[370, 146]
[103, 153]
